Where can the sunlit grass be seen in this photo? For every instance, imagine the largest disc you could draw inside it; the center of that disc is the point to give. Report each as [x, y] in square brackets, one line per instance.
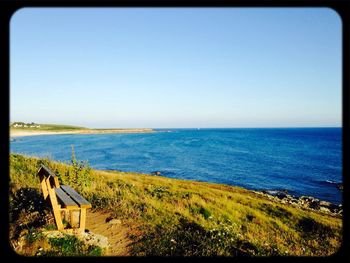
[224, 220]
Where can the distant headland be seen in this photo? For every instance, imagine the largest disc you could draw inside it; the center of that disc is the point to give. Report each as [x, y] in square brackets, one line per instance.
[30, 129]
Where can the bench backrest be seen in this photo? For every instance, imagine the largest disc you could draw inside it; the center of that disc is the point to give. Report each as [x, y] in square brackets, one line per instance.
[66, 195]
[48, 180]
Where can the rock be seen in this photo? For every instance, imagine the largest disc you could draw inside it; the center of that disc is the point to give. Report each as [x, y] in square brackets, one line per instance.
[324, 209]
[91, 238]
[340, 186]
[315, 204]
[334, 208]
[294, 201]
[156, 173]
[325, 203]
[35, 213]
[308, 202]
[307, 199]
[114, 221]
[55, 233]
[281, 195]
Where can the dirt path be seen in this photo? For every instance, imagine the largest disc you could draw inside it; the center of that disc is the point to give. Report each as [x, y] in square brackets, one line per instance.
[116, 233]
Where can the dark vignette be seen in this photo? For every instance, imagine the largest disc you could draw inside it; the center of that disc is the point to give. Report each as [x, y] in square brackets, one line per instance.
[9, 7]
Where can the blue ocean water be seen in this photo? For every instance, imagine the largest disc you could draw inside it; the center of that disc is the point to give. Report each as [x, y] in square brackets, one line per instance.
[304, 161]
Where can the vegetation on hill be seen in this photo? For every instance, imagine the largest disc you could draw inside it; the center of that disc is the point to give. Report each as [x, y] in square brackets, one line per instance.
[179, 217]
[58, 128]
[50, 127]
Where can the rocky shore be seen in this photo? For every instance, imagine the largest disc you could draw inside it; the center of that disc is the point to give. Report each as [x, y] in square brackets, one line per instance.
[306, 202]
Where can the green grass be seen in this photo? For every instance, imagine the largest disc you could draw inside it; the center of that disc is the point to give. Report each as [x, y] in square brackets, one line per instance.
[57, 127]
[51, 127]
[33, 235]
[71, 246]
[180, 217]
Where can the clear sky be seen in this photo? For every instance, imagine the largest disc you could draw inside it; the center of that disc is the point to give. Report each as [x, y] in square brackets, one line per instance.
[176, 67]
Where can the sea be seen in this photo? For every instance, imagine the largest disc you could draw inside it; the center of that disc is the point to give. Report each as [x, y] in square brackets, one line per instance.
[303, 161]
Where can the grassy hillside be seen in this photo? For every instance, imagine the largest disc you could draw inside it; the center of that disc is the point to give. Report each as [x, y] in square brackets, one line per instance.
[179, 217]
[51, 127]
[59, 127]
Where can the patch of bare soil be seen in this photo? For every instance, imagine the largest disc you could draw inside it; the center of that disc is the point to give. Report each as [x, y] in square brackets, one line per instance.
[117, 231]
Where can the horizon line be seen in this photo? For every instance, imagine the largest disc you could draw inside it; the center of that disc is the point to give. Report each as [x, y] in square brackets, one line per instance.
[243, 127]
[198, 127]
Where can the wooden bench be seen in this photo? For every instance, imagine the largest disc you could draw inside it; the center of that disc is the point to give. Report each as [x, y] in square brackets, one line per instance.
[64, 200]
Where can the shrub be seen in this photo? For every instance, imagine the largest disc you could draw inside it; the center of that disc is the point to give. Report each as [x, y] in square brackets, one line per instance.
[202, 211]
[33, 235]
[276, 211]
[313, 229]
[78, 175]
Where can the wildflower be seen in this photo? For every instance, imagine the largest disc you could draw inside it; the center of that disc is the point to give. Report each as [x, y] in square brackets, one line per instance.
[173, 240]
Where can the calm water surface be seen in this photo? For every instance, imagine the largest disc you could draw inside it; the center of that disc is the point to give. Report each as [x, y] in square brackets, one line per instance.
[305, 161]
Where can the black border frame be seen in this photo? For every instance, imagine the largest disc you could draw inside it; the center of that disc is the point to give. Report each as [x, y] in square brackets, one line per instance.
[9, 7]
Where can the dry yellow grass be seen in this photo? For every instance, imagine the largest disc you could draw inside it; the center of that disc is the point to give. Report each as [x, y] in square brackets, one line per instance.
[218, 219]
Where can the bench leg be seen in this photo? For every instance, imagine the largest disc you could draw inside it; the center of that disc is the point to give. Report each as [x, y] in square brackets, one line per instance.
[82, 219]
[56, 209]
[71, 214]
[57, 215]
[66, 215]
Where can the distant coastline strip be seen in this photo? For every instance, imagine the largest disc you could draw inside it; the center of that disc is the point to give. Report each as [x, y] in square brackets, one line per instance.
[21, 132]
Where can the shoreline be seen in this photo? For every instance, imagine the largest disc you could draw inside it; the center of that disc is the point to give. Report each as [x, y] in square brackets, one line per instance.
[22, 133]
[304, 202]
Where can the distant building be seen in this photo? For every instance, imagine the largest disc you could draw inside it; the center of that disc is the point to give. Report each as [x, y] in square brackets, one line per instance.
[25, 125]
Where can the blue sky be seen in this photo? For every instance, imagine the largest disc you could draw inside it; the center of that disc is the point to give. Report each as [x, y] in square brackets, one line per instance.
[176, 67]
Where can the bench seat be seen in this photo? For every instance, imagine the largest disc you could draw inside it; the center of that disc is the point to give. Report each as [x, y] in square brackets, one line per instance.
[81, 201]
[65, 200]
